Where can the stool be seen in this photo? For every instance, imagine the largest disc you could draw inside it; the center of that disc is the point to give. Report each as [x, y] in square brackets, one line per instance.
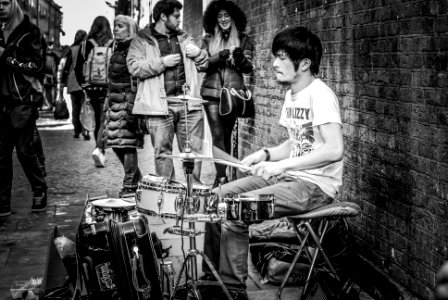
[322, 217]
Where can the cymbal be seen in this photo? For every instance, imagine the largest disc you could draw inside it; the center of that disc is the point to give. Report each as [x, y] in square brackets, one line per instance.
[113, 203]
[197, 156]
[187, 155]
[183, 99]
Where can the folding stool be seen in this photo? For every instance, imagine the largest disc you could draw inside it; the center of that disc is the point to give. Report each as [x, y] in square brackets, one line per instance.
[321, 219]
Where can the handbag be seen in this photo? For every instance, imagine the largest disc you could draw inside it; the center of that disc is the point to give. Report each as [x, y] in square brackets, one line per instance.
[87, 116]
[236, 102]
[60, 109]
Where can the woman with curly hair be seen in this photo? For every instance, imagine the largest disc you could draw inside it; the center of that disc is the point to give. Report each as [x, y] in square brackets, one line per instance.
[230, 56]
[230, 53]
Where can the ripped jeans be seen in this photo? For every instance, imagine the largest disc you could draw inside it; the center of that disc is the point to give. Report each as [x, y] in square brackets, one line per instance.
[162, 130]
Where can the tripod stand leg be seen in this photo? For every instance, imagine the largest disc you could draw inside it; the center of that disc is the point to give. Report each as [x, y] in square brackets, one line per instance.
[215, 273]
[178, 278]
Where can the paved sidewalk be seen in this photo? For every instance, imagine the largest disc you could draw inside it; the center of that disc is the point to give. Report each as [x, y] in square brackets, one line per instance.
[71, 175]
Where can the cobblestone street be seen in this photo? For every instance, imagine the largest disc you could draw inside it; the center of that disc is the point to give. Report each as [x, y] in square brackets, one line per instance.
[71, 175]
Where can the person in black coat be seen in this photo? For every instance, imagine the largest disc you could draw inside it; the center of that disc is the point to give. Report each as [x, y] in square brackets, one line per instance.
[121, 127]
[230, 56]
[21, 65]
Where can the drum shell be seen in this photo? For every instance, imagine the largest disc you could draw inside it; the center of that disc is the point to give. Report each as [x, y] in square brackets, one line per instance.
[250, 208]
[160, 198]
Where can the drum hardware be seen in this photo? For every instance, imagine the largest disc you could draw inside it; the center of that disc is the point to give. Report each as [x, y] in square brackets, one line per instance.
[189, 264]
[167, 274]
[178, 230]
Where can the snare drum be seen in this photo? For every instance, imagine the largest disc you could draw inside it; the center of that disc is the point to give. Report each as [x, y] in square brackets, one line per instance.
[111, 209]
[157, 196]
[200, 196]
[247, 207]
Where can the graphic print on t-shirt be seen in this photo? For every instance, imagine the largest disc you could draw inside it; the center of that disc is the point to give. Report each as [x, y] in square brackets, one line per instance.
[300, 130]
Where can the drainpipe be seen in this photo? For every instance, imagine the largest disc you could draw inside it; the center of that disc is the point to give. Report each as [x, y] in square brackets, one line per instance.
[38, 14]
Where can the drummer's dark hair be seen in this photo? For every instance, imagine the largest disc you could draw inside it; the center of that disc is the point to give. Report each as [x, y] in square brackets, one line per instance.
[299, 43]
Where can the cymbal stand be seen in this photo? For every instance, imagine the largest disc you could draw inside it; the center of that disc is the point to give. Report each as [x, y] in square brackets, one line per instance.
[190, 261]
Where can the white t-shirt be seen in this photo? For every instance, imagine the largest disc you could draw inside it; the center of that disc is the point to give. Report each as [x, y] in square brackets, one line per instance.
[302, 113]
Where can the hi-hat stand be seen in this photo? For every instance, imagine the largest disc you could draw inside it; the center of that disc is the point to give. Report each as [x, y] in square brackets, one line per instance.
[190, 262]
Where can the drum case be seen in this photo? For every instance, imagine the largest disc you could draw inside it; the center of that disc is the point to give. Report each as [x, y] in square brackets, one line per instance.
[118, 261]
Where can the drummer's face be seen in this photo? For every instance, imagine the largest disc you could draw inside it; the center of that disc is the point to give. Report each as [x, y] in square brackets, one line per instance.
[285, 71]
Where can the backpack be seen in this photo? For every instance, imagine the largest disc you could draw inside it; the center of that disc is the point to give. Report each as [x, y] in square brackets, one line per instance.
[95, 69]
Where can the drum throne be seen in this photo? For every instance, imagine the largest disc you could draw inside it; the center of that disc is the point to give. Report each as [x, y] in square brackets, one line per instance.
[310, 228]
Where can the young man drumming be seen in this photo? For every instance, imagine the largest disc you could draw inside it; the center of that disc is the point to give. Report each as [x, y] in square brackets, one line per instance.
[304, 172]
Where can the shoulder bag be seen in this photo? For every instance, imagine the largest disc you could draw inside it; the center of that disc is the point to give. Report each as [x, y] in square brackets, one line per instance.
[236, 102]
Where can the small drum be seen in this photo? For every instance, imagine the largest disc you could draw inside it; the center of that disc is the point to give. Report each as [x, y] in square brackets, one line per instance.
[111, 209]
[247, 207]
[200, 199]
[157, 196]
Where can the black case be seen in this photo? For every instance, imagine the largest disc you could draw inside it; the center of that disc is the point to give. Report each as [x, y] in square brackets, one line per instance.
[97, 262]
[137, 262]
[118, 260]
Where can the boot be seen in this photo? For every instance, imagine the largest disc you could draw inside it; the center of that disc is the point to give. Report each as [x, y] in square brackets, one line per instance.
[220, 180]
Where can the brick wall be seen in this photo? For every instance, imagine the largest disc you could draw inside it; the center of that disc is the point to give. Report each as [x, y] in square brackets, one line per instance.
[387, 62]
[192, 20]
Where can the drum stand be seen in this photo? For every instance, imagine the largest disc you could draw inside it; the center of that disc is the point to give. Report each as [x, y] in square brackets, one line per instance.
[190, 261]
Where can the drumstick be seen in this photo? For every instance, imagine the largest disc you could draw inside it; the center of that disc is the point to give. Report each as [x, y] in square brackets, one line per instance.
[232, 164]
[220, 154]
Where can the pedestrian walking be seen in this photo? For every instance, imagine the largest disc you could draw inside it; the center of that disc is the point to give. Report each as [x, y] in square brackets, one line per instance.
[122, 127]
[165, 59]
[230, 56]
[68, 79]
[50, 76]
[91, 72]
[22, 63]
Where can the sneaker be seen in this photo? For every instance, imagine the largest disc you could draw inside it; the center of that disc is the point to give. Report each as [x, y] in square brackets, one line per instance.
[86, 136]
[76, 136]
[220, 180]
[39, 201]
[99, 158]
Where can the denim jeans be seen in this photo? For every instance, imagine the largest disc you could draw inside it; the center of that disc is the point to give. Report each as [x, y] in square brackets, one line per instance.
[77, 101]
[97, 99]
[227, 244]
[162, 130]
[129, 159]
[22, 139]
[221, 128]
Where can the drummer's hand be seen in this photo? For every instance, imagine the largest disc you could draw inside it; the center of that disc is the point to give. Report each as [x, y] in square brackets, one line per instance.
[254, 158]
[267, 169]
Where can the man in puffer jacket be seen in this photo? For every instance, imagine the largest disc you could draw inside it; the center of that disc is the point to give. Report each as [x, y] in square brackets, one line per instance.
[21, 63]
[164, 58]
